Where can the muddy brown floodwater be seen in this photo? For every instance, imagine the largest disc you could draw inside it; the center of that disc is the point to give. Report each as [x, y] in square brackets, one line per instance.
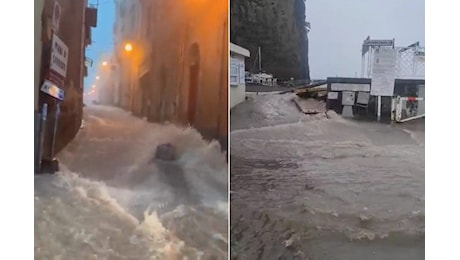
[311, 187]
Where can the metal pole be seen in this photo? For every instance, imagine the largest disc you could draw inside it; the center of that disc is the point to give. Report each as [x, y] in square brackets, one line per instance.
[260, 60]
[393, 108]
[379, 107]
[42, 135]
[398, 109]
[363, 60]
[56, 119]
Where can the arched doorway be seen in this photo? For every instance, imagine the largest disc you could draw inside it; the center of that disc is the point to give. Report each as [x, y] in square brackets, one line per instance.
[194, 79]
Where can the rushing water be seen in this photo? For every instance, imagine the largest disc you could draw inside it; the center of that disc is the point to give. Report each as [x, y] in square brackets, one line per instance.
[112, 201]
[306, 187]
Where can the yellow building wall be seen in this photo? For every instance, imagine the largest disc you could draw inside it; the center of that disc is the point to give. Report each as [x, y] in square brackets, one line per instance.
[176, 27]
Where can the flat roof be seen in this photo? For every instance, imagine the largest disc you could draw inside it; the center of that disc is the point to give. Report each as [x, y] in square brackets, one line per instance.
[239, 50]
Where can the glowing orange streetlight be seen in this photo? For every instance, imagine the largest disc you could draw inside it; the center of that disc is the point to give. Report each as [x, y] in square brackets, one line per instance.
[104, 63]
[128, 47]
[97, 77]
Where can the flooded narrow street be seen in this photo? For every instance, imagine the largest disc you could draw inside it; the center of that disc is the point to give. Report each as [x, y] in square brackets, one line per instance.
[112, 201]
[317, 187]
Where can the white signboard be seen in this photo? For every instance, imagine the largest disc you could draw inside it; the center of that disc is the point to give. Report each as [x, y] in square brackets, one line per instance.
[384, 72]
[333, 95]
[59, 56]
[350, 87]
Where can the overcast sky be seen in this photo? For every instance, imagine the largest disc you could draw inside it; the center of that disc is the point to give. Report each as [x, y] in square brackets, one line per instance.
[338, 28]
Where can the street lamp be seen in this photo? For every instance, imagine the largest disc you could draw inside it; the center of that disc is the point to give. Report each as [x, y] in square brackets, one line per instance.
[128, 47]
[97, 77]
[104, 63]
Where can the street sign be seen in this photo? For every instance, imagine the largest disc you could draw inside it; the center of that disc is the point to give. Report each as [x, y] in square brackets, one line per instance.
[59, 56]
[51, 89]
[54, 78]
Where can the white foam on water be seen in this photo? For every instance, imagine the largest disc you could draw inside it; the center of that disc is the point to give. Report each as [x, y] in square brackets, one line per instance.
[335, 179]
[104, 212]
[83, 211]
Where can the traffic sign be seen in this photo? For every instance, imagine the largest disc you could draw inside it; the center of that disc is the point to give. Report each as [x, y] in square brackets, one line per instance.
[51, 89]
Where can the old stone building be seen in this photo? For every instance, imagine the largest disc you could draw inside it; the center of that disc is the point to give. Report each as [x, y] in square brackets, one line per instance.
[177, 68]
[70, 21]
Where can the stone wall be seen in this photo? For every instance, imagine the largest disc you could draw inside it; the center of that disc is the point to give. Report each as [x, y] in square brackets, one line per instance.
[278, 27]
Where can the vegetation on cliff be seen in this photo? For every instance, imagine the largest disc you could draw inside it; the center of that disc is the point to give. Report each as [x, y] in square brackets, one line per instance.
[279, 28]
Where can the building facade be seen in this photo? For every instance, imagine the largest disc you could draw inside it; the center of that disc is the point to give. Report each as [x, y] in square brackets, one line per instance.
[177, 68]
[70, 21]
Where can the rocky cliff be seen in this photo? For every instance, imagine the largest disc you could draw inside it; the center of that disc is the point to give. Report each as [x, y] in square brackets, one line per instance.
[279, 28]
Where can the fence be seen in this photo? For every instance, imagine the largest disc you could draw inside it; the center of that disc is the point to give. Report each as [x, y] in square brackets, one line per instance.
[410, 63]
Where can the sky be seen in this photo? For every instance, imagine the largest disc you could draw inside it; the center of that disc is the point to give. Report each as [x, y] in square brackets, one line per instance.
[339, 27]
[102, 38]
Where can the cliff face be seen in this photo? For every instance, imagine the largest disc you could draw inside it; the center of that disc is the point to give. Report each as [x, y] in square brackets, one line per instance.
[278, 27]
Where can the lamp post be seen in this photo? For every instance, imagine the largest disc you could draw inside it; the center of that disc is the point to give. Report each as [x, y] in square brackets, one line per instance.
[128, 47]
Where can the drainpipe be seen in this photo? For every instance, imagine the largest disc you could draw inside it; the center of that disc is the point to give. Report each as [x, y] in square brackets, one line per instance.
[38, 9]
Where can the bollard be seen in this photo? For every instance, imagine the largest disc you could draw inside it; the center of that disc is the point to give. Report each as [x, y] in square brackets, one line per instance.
[50, 164]
[41, 132]
[37, 119]
[56, 119]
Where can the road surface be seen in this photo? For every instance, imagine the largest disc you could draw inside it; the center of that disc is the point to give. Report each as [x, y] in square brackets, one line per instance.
[111, 201]
[309, 187]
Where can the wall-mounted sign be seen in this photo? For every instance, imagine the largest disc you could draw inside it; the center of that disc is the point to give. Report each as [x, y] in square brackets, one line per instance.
[350, 87]
[333, 95]
[363, 98]
[56, 16]
[51, 89]
[59, 56]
